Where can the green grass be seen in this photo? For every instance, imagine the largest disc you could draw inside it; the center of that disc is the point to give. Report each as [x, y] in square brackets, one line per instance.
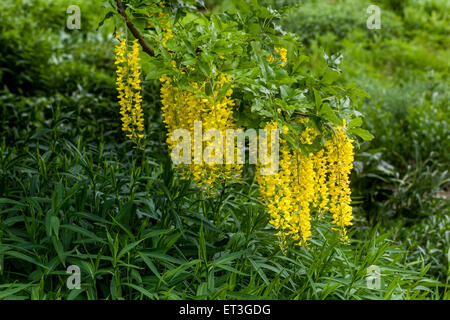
[132, 243]
[137, 231]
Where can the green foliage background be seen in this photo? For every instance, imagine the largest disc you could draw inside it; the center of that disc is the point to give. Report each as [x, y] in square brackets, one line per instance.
[74, 191]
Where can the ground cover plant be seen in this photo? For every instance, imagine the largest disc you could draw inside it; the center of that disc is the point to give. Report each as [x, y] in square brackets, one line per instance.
[88, 178]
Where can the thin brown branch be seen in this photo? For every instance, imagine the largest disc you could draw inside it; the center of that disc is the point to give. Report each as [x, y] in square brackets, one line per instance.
[301, 114]
[147, 49]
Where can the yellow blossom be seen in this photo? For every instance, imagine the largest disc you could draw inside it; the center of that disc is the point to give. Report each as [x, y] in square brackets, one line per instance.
[283, 54]
[316, 183]
[308, 136]
[129, 89]
[182, 107]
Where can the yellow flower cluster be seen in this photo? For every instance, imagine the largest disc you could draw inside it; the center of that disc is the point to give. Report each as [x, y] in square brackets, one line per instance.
[289, 192]
[308, 135]
[340, 164]
[128, 84]
[320, 184]
[182, 107]
[283, 53]
[304, 183]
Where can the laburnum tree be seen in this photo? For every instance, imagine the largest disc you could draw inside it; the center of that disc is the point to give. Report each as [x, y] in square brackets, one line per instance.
[240, 69]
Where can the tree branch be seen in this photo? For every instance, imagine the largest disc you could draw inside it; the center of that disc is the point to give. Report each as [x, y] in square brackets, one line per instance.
[147, 49]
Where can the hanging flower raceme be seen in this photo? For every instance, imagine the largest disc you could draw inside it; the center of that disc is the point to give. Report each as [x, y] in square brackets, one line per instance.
[289, 193]
[188, 108]
[316, 182]
[340, 162]
[128, 84]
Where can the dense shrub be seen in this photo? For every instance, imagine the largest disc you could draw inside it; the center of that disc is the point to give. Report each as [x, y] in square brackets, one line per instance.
[39, 54]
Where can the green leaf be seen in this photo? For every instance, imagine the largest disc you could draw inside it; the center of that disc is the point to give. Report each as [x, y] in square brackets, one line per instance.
[317, 98]
[357, 122]
[141, 290]
[228, 258]
[170, 274]
[230, 269]
[202, 246]
[328, 113]
[151, 266]
[24, 257]
[106, 17]
[125, 212]
[261, 273]
[5, 293]
[364, 134]
[82, 231]
[9, 201]
[54, 223]
[128, 248]
[330, 76]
